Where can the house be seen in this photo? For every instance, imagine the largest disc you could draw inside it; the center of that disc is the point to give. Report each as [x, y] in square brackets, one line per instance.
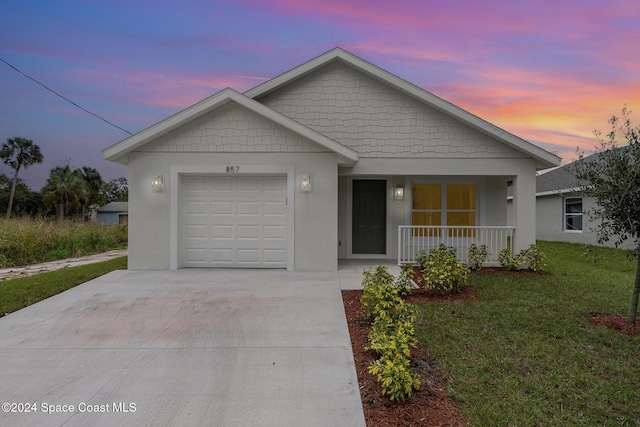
[561, 208]
[113, 213]
[334, 159]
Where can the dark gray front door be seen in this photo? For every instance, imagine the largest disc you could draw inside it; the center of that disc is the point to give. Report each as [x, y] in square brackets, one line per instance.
[369, 216]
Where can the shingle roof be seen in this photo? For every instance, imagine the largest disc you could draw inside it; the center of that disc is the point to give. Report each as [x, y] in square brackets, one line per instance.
[115, 207]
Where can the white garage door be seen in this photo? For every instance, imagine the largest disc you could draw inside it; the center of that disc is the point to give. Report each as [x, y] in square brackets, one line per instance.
[234, 221]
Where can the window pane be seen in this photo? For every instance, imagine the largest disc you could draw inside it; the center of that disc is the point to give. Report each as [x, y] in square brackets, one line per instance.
[461, 218]
[427, 196]
[573, 222]
[461, 197]
[427, 218]
[573, 205]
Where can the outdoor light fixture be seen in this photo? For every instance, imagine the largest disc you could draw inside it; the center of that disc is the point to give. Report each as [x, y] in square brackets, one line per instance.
[157, 183]
[398, 193]
[305, 185]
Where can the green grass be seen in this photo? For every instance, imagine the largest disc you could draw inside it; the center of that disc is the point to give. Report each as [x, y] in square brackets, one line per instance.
[524, 353]
[19, 293]
[25, 241]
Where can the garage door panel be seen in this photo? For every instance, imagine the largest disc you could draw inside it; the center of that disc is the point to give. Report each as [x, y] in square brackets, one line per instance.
[248, 232]
[234, 221]
[274, 256]
[222, 232]
[248, 208]
[275, 232]
[222, 208]
[195, 231]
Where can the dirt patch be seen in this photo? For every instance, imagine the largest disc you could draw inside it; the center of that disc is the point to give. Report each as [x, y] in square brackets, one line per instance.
[429, 406]
[617, 323]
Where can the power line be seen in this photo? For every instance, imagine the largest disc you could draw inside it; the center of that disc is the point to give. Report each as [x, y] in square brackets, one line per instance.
[65, 98]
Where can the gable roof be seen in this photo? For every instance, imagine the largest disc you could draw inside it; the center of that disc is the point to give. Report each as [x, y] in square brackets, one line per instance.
[114, 207]
[118, 152]
[562, 180]
[544, 159]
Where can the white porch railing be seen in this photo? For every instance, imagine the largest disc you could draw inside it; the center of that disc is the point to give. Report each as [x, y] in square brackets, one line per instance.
[414, 238]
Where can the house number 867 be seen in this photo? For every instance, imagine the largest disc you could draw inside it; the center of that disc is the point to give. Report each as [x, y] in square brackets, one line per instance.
[233, 169]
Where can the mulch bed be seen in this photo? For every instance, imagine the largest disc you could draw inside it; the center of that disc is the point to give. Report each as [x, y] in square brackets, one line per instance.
[617, 323]
[429, 406]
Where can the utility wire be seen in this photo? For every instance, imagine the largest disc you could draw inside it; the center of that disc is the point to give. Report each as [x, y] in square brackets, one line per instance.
[65, 98]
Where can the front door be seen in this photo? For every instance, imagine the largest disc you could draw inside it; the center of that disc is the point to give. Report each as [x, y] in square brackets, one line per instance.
[369, 216]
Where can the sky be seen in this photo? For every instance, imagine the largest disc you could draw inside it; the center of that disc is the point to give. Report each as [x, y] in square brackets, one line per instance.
[550, 72]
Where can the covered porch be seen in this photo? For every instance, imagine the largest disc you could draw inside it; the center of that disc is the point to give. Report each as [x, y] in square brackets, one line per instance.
[391, 218]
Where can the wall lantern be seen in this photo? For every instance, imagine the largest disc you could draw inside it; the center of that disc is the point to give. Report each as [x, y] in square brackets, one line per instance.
[305, 185]
[398, 193]
[157, 183]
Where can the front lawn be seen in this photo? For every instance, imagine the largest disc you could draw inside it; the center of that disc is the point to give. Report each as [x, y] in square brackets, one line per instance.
[22, 292]
[524, 353]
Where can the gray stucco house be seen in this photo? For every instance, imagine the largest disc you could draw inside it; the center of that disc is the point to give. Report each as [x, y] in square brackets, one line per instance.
[561, 208]
[334, 159]
[113, 213]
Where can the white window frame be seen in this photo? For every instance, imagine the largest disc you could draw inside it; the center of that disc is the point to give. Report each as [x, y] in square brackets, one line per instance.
[566, 214]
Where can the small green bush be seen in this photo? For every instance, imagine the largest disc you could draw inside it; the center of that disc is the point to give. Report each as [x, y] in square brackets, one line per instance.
[378, 292]
[441, 269]
[533, 258]
[477, 256]
[395, 376]
[507, 261]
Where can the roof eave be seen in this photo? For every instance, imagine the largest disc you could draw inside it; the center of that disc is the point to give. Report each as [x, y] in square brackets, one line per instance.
[119, 152]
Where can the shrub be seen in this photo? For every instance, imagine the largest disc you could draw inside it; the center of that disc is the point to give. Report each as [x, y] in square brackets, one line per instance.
[507, 261]
[392, 333]
[404, 282]
[533, 258]
[394, 373]
[441, 269]
[477, 256]
[378, 293]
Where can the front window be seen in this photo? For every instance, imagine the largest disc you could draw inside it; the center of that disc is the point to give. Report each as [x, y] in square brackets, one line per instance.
[573, 214]
[444, 204]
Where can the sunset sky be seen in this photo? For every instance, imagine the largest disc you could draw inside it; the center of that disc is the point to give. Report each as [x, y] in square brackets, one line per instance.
[548, 71]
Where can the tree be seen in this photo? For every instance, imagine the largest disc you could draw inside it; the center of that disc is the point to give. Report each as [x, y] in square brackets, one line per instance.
[95, 187]
[65, 187]
[26, 202]
[612, 178]
[19, 152]
[117, 190]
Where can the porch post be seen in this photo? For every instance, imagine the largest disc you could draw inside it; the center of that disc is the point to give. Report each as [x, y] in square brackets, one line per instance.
[524, 209]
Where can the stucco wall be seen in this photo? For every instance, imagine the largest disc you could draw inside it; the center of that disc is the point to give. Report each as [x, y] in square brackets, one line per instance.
[378, 121]
[315, 220]
[550, 222]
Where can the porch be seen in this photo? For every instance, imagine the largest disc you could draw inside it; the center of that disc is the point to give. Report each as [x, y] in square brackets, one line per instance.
[414, 238]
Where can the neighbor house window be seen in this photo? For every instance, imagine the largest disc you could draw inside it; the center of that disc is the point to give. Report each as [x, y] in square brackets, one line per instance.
[444, 204]
[573, 214]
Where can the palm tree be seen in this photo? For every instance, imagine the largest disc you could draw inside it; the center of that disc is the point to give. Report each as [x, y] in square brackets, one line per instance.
[18, 152]
[65, 186]
[95, 187]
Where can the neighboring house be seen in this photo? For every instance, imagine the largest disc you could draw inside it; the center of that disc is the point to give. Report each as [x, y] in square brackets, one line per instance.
[324, 162]
[561, 209]
[113, 213]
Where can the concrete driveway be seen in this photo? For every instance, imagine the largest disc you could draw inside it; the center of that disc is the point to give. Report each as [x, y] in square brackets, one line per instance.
[193, 347]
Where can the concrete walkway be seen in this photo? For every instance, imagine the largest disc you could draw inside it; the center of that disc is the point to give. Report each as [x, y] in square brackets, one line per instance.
[193, 347]
[44, 267]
